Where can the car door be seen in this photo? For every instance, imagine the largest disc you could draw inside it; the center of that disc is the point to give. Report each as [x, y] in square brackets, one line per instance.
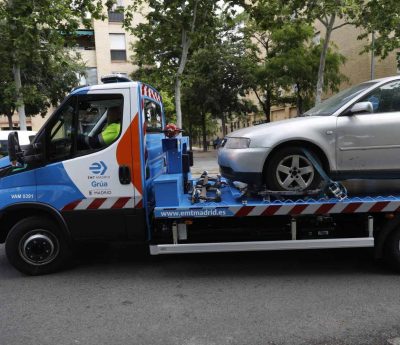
[81, 180]
[369, 143]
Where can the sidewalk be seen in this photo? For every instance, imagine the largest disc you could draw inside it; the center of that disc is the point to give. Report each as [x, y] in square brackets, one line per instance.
[204, 161]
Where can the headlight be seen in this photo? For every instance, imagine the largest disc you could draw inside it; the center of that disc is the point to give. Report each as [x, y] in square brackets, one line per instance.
[237, 143]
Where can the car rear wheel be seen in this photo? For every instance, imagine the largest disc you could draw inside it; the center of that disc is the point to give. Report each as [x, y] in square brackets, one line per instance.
[290, 170]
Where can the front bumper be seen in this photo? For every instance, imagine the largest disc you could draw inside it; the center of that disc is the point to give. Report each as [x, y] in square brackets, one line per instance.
[244, 165]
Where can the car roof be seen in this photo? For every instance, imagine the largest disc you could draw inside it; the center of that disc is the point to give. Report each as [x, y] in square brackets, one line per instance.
[383, 80]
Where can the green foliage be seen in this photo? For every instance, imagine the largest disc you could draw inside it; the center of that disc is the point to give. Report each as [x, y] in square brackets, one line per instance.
[169, 107]
[35, 36]
[287, 61]
[382, 18]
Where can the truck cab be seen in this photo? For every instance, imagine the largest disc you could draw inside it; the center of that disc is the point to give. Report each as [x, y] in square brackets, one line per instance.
[88, 191]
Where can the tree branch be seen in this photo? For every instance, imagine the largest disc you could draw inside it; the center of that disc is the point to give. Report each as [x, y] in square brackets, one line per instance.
[323, 22]
[341, 25]
[194, 16]
[259, 99]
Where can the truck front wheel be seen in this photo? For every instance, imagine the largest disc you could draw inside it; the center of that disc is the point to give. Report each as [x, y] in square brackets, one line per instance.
[36, 246]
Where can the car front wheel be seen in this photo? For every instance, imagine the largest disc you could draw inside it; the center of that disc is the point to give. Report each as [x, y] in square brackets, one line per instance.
[290, 170]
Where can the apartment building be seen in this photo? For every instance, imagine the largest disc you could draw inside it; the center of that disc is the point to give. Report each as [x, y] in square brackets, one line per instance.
[105, 49]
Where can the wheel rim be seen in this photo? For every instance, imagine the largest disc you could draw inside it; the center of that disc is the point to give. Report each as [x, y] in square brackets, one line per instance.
[295, 172]
[38, 247]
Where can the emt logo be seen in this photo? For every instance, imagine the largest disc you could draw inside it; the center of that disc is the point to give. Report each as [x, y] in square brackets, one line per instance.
[98, 168]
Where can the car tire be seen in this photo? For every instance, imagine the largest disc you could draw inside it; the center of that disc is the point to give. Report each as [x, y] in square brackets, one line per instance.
[290, 170]
[37, 246]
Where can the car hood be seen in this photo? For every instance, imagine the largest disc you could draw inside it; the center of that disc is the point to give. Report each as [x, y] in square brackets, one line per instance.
[250, 132]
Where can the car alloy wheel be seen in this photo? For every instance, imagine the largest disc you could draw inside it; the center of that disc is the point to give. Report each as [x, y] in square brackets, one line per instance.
[295, 172]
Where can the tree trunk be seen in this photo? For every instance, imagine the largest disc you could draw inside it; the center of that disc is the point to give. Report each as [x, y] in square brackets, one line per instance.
[10, 123]
[20, 100]
[299, 101]
[190, 135]
[204, 130]
[267, 105]
[322, 60]
[178, 102]
[186, 42]
[223, 121]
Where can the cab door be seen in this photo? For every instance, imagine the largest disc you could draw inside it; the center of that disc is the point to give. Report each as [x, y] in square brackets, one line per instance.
[92, 185]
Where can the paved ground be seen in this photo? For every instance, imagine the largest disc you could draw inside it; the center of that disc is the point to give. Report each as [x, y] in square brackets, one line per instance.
[205, 161]
[120, 295]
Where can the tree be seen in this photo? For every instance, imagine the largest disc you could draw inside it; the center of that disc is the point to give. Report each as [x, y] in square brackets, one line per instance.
[381, 18]
[32, 30]
[215, 84]
[283, 31]
[172, 32]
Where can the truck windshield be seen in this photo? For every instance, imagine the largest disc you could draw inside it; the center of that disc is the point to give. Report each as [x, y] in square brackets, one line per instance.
[334, 103]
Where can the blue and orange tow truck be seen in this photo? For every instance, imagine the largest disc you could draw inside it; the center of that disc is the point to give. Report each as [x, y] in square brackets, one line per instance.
[61, 190]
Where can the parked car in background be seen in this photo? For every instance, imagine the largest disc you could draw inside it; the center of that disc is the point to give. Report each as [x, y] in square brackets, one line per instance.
[25, 138]
[354, 134]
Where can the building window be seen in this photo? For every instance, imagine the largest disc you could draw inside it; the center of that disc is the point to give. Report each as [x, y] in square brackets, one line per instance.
[118, 47]
[85, 40]
[90, 77]
[116, 15]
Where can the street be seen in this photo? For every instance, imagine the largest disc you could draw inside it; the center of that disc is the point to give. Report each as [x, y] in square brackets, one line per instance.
[118, 294]
[122, 296]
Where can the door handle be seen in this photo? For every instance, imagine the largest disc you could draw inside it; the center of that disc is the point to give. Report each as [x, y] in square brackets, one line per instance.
[329, 132]
[124, 174]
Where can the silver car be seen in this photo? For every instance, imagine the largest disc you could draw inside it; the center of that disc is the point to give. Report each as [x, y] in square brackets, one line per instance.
[354, 134]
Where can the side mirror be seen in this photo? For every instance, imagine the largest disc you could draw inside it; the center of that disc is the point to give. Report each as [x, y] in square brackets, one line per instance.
[362, 107]
[15, 153]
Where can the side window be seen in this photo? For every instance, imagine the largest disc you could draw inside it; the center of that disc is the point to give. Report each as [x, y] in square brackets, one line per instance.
[99, 121]
[386, 98]
[60, 133]
[84, 124]
[152, 116]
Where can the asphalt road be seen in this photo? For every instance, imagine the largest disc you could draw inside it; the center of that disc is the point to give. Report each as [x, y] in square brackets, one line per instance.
[120, 295]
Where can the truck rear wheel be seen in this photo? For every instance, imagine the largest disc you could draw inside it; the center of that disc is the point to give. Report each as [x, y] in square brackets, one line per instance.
[392, 249]
[36, 246]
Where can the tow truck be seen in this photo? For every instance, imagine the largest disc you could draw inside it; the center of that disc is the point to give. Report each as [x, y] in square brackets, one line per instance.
[56, 192]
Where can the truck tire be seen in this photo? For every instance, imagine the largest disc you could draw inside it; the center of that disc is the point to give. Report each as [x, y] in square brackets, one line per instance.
[392, 249]
[37, 246]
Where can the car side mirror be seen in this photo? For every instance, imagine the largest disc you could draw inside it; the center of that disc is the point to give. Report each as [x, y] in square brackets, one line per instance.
[362, 107]
[15, 153]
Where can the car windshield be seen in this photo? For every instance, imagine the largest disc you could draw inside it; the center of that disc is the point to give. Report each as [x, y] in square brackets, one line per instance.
[334, 103]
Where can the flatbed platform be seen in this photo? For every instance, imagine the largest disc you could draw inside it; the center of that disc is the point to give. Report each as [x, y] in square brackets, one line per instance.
[230, 206]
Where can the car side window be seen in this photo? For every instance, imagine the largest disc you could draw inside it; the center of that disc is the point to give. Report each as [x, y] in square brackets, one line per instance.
[385, 99]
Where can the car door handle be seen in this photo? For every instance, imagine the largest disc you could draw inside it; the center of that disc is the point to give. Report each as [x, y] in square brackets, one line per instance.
[124, 174]
[329, 132]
